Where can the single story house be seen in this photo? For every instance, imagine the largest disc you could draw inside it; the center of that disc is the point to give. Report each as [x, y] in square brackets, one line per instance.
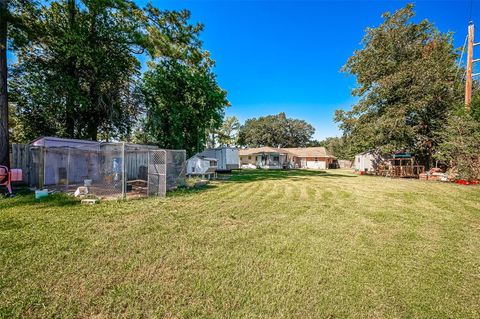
[310, 157]
[227, 157]
[202, 166]
[277, 158]
[263, 157]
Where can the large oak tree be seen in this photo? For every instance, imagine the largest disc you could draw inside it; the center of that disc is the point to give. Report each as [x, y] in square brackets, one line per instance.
[406, 76]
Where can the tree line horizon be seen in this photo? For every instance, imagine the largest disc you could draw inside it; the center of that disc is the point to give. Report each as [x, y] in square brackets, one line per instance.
[78, 75]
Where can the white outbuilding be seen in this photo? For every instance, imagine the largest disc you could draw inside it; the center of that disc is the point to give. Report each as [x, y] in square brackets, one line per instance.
[198, 165]
[368, 161]
[227, 157]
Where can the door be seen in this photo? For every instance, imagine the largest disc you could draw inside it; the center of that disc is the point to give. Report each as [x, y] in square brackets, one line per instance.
[157, 173]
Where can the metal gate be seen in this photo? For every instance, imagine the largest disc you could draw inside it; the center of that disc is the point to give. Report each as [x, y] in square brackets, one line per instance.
[157, 173]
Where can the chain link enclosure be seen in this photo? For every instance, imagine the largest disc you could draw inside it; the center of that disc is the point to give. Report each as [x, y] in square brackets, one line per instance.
[108, 170]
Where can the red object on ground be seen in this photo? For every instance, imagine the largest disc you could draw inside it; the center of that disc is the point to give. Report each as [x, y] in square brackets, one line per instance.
[5, 178]
[464, 182]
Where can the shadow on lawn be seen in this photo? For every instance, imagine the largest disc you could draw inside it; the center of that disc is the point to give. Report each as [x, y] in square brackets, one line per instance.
[27, 198]
[245, 176]
[185, 191]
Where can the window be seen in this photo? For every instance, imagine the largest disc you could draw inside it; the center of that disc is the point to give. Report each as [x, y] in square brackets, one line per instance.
[249, 157]
[276, 158]
[193, 169]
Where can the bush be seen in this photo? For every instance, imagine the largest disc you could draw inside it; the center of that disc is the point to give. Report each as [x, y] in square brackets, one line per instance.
[460, 146]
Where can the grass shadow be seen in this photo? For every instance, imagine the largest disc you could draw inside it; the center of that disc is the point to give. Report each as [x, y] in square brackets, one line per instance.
[187, 191]
[27, 198]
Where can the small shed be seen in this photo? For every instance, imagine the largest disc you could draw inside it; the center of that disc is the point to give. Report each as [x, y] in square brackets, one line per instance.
[369, 161]
[227, 157]
[198, 165]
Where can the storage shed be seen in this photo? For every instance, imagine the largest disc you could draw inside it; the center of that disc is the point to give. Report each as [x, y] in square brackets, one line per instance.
[198, 165]
[227, 157]
[369, 161]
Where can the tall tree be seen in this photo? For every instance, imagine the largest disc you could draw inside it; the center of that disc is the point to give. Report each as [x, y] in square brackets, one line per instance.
[228, 132]
[4, 141]
[78, 76]
[182, 102]
[11, 21]
[276, 131]
[406, 84]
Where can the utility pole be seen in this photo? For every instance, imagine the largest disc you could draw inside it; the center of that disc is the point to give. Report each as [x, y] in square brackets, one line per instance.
[470, 61]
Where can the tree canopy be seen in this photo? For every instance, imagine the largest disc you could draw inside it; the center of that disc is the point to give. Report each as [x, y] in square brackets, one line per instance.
[406, 76]
[79, 74]
[182, 102]
[276, 131]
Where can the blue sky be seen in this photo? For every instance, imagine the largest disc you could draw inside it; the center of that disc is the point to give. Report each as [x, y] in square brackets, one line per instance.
[285, 56]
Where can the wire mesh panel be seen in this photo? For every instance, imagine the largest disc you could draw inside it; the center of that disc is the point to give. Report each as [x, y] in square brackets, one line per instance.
[136, 170]
[110, 182]
[157, 173]
[106, 169]
[176, 168]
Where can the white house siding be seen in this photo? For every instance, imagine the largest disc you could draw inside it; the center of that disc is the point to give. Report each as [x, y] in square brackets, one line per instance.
[316, 164]
[227, 157]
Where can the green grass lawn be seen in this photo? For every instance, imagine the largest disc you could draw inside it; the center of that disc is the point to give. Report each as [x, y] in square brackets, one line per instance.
[263, 244]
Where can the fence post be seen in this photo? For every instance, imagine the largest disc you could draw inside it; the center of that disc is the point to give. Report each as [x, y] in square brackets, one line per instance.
[123, 172]
[43, 152]
[68, 170]
[148, 172]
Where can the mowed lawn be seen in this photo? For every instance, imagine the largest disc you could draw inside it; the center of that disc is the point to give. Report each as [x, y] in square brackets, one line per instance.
[263, 244]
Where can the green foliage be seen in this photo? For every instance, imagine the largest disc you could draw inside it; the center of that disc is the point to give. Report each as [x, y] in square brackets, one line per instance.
[264, 244]
[460, 146]
[406, 83]
[337, 146]
[78, 73]
[182, 102]
[276, 131]
[225, 135]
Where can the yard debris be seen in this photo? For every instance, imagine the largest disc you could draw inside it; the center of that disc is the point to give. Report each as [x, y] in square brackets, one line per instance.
[201, 183]
[436, 174]
[81, 191]
[90, 201]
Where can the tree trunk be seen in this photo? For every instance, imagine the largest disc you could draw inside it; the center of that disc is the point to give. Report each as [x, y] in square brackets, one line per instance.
[4, 147]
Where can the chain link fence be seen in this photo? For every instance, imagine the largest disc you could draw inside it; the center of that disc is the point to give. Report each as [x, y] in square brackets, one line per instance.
[108, 170]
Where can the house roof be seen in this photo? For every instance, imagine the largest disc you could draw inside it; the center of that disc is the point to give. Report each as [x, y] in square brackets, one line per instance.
[258, 150]
[309, 152]
[295, 151]
[43, 140]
